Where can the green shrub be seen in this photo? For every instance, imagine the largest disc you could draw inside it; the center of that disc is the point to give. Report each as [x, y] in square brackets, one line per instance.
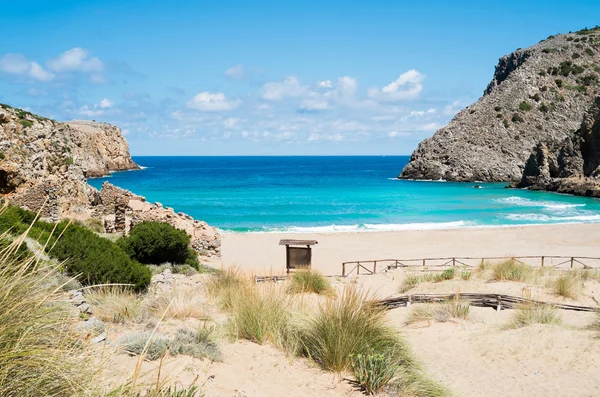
[536, 97]
[559, 83]
[159, 242]
[465, 274]
[589, 51]
[498, 108]
[26, 123]
[373, 371]
[309, 281]
[1, 156]
[447, 274]
[96, 260]
[69, 160]
[525, 106]
[517, 118]
[575, 55]
[198, 344]
[544, 108]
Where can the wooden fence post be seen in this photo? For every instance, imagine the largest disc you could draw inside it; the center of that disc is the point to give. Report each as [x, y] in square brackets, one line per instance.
[542, 261]
[374, 267]
[572, 262]
[453, 261]
[499, 307]
[423, 262]
[344, 269]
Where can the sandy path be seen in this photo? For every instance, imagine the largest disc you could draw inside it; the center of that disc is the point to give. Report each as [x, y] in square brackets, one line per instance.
[261, 253]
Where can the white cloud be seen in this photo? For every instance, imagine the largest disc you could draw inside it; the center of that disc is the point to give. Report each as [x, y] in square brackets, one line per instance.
[105, 103]
[407, 86]
[289, 88]
[325, 84]
[76, 60]
[316, 137]
[452, 108]
[212, 102]
[347, 85]
[19, 65]
[231, 122]
[85, 110]
[314, 103]
[236, 72]
[395, 134]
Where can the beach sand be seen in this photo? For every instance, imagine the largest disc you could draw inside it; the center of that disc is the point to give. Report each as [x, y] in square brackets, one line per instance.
[261, 254]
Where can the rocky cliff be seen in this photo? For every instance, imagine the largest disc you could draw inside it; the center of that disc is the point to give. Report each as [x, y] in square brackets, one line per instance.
[44, 165]
[536, 124]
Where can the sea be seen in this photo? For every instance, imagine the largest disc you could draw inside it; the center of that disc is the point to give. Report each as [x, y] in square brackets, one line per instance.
[336, 194]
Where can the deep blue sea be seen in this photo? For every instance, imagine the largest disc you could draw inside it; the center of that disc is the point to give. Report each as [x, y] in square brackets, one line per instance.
[358, 193]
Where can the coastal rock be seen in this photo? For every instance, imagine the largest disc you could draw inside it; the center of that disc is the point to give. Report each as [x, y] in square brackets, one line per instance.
[536, 122]
[44, 166]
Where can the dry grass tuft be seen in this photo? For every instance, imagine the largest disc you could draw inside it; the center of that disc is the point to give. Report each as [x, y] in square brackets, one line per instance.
[567, 285]
[224, 283]
[180, 302]
[441, 312]
[534, 313]
[309, 281]
[511, 270]
[115, 304]
[412, 280]
[39, 353]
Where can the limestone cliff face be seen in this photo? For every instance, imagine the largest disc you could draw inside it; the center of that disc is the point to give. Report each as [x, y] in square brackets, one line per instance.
[544, 96]
[45, 158]
[44, 165]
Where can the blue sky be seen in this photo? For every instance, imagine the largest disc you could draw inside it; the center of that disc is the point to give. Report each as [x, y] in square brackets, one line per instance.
[266, 77]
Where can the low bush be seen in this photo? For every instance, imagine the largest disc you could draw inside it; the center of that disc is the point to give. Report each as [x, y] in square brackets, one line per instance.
[96, 260]
[447, 274]
[159, 242]
[198, 344]
[309, 281]
[534, 313]
[525, 106]
[466, 274]
[148, 344]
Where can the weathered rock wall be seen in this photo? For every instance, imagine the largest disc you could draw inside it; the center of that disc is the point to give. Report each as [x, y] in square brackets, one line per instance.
[539, 95]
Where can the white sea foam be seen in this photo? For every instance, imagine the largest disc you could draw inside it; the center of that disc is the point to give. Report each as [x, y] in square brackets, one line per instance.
[548, 218]
[368, 227]
[523, 202]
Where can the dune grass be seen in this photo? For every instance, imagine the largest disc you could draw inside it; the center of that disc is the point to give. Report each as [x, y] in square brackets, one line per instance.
[115, 304]
[412, 280]
[441, 312]
[309, 281]
[180, 303]
[223, 284]
[596, 323]
[534, 313]
[567, 285]
[509, 270]
[39, 353]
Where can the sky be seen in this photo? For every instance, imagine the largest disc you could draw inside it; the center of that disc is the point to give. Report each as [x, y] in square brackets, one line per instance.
[264, 77]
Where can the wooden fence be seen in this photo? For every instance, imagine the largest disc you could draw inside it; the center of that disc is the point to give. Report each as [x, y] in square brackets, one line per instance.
[496, 301]
[372, 266]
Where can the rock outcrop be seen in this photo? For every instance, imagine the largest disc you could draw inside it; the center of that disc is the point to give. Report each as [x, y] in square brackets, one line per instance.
[536, 124]
[44, 166]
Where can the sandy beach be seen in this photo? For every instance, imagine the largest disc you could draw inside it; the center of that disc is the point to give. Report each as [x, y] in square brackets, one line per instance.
[261, 254]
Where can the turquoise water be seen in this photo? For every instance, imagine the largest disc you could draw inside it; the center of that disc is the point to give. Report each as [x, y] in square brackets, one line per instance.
[304, 194]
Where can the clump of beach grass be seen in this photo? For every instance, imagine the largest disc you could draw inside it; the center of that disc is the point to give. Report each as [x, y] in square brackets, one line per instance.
[466, 275]
[350, 325]
[224, 283]
[412, 280]
[40, 355]
[534, 313]
[309, 281]
[511, 270]
[441, 312]
[179, 302]
[115, 304]
[259, 316]
[567, 285]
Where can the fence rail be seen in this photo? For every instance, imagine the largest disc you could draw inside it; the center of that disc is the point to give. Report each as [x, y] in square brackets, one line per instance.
[497, 301]
[556, 261]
